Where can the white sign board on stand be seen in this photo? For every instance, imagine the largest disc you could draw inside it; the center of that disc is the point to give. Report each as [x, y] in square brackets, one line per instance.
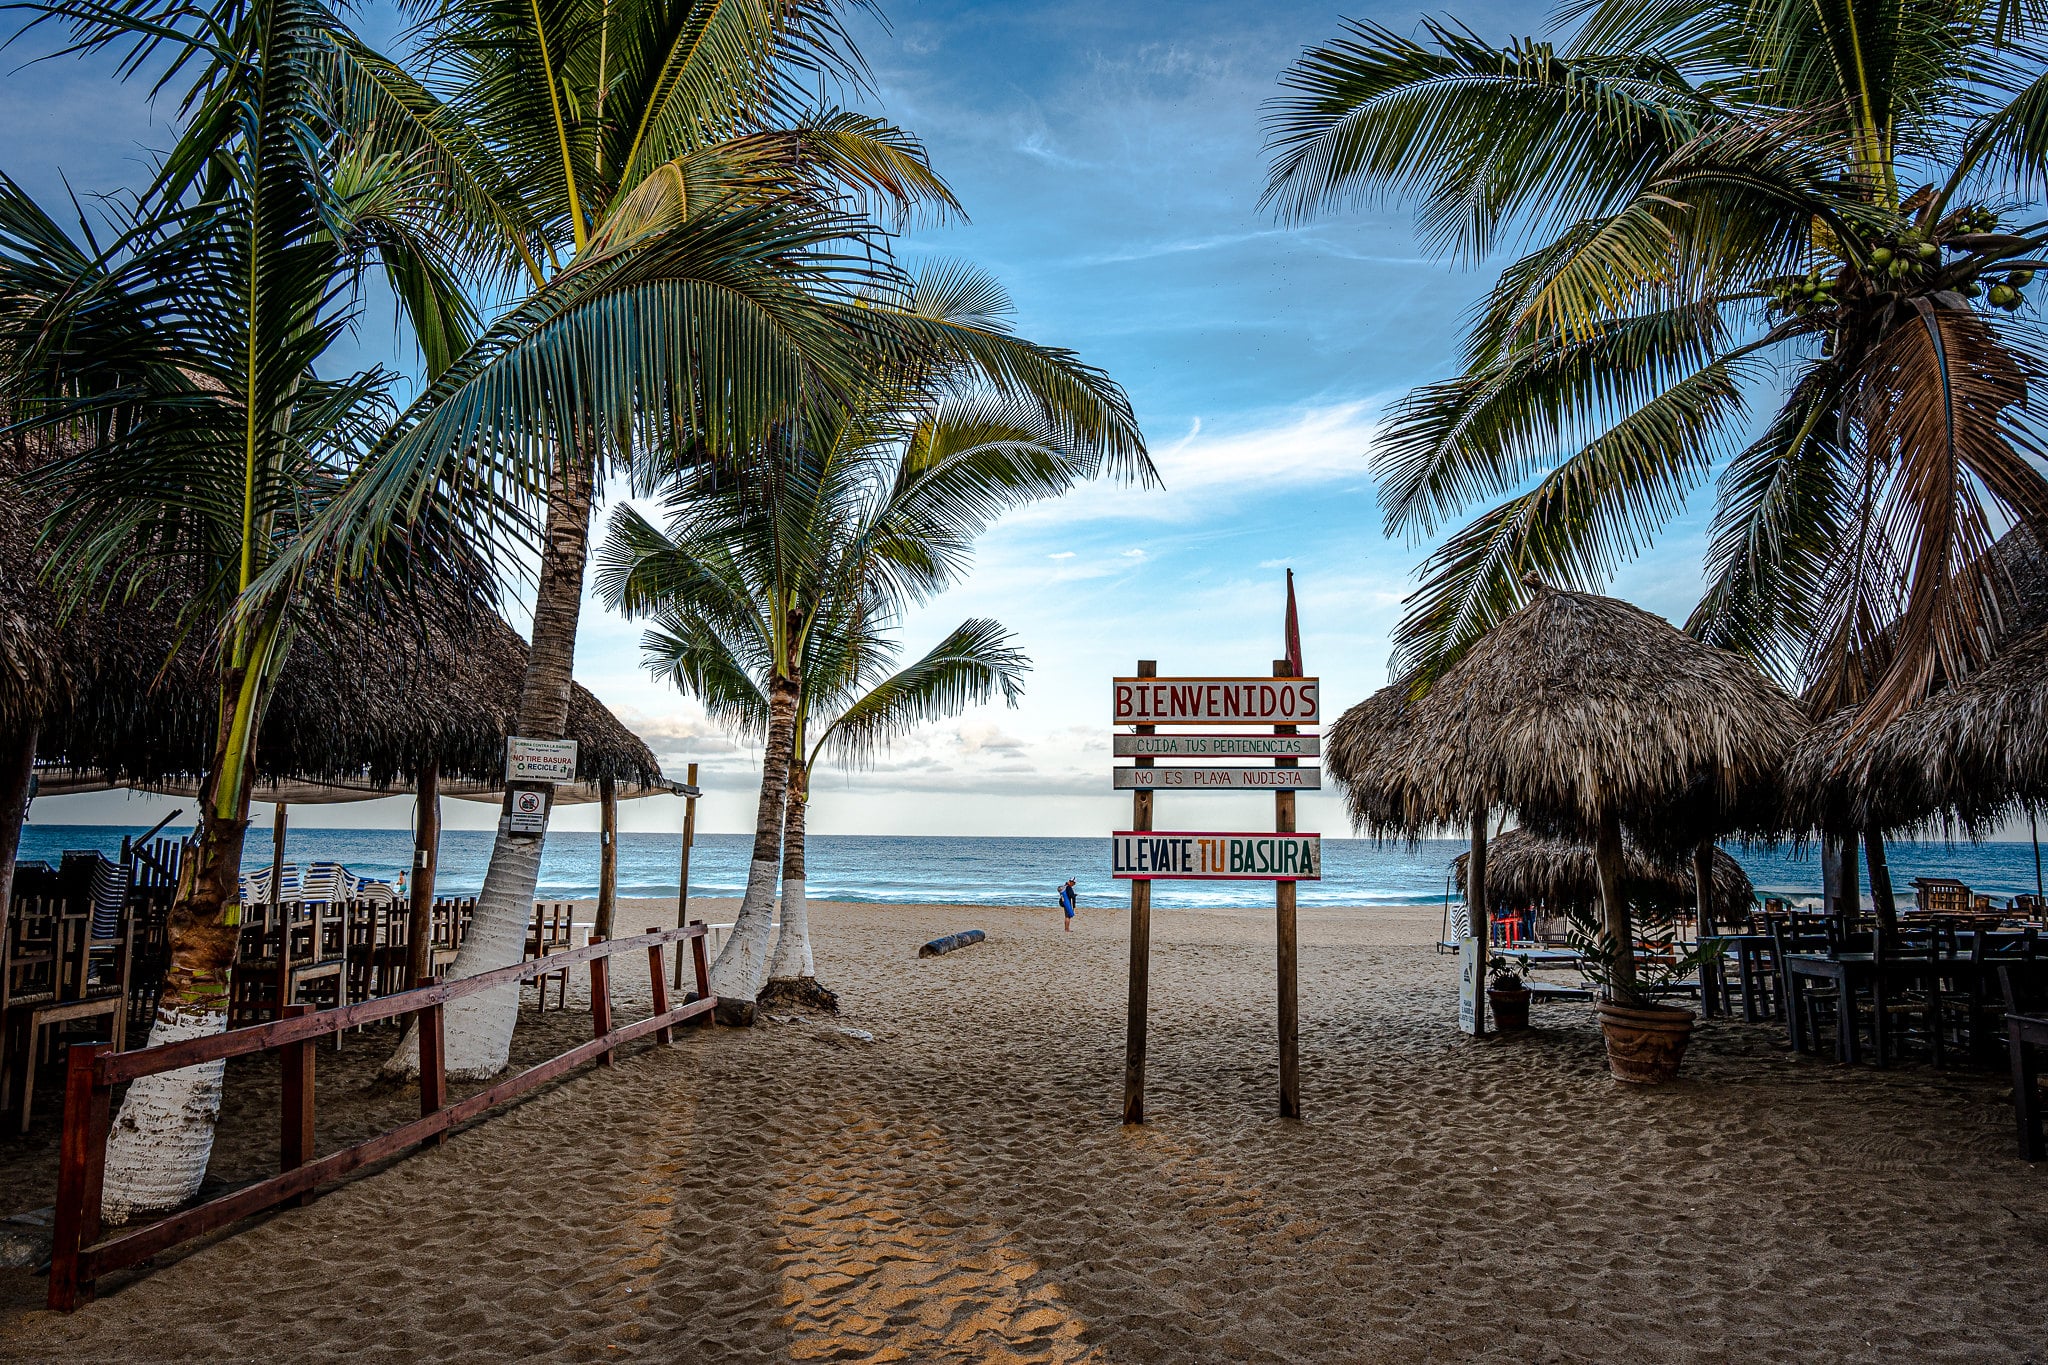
[1216, 746]
[1217, 779]
[540, 760]
[1468, 985]
[1192, 855]
[1217, 701]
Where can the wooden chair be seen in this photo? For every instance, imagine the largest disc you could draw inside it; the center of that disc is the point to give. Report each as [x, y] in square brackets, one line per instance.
[550, 935]
[290, 954]
[72, 992]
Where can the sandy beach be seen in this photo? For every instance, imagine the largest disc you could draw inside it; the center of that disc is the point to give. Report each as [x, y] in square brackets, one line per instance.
[960, 1188]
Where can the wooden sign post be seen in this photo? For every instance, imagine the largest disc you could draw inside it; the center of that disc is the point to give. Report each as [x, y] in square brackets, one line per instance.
[1283, 908]
[683, 882]
[1141, 948]
[1142, 855]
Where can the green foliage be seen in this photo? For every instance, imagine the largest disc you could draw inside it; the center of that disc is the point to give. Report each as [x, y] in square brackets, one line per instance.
[1505, 973]
[1659, 964]
[798, 559]
[1712, 196]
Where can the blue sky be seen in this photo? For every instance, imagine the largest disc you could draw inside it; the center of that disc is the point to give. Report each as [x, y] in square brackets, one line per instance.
[1109, 158]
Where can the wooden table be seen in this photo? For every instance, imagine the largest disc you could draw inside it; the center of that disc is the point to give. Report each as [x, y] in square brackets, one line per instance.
[1850, 971]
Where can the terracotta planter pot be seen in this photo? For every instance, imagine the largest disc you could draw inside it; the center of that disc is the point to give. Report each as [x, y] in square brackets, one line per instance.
[1510, 1009]
[1646, 1044]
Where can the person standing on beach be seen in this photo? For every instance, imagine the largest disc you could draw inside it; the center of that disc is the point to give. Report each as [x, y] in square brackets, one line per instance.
[1067, 903]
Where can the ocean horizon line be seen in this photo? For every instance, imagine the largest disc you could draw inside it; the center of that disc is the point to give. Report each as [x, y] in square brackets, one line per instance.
[904, 869]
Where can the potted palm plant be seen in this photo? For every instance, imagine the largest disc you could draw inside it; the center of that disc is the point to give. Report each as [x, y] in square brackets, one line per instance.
[1507, 994]
[1646, 1041]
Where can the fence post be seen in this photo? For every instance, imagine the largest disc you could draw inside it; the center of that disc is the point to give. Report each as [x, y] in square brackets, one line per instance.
[295, 1103]
[658, 978]
[433, 1063]
[703, 966]
[601, 999]
[80, 1173]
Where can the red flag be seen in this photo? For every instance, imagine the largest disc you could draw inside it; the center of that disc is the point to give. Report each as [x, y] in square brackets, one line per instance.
[1293, 631]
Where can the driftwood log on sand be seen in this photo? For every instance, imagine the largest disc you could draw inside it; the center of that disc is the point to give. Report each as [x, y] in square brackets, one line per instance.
[938, 947]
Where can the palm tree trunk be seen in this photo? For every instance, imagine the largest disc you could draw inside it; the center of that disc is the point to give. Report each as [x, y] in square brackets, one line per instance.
[161, 1141]
[1617, 928]
[742, 966]
[793, 944]
[479, 1027]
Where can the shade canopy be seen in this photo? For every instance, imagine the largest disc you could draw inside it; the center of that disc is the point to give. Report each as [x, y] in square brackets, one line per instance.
[121, 694]
[1963, 758]
[1575, 706]
[1527, 869]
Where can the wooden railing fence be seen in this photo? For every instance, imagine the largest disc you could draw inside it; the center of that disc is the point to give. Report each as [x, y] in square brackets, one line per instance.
[80, 1255]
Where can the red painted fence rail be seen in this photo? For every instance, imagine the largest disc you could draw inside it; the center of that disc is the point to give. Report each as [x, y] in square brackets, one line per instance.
[80, 1256]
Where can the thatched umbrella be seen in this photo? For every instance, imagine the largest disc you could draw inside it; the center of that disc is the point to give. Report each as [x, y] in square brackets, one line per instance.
[1573, 713]
[374, 700]
[1962, 759]
[1527, 869]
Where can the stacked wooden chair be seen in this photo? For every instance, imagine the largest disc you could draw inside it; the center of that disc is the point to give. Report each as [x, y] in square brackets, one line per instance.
[55, 972]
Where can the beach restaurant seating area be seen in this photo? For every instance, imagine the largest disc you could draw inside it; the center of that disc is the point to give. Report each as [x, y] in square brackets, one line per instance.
[85, 950]
[1958, 979]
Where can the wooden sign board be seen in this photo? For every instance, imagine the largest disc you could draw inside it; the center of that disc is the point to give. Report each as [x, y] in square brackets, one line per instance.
[1217, 701]
[1217, 779]
[1191, 855]
[540, 760]
[1216, 746]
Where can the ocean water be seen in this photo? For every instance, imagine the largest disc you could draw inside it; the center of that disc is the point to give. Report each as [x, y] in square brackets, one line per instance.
[977, 871]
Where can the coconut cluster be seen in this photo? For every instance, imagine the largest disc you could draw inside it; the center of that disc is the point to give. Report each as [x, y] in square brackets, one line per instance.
[1903, 262]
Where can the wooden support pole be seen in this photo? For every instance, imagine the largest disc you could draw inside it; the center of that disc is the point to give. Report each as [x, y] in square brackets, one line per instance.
[81, 1173]
[1711, 984]
[607, 856]
[1883, 903]
[277, 836]
[601, 1000]
[1141, 948]
[426, 858]
[657, 981]
[683, 882]
[700, 962]
[1284, 923]
[433, 1063]
[295, 1103]
[17, 776]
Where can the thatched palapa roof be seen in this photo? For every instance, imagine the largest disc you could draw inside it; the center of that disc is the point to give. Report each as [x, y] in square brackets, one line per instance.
[1968, 754]
[1525, 869]
[121, 697]
[1575, 705]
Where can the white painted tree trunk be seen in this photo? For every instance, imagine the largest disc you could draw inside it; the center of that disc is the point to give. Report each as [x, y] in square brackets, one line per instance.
[742, 965]
[160, 1142]
[478, 1028]
[793, 944]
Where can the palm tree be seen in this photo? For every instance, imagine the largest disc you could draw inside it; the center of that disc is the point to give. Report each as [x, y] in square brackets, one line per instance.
[699, 268]
[1817, 206]
[186, 352]
[850, 706]
[792, 557]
